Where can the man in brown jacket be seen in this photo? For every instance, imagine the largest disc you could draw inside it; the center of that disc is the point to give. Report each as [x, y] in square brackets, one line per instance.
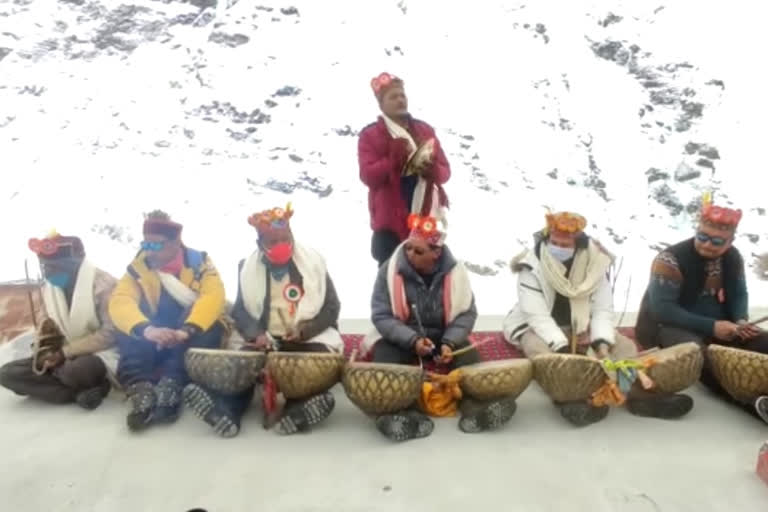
[75, 296]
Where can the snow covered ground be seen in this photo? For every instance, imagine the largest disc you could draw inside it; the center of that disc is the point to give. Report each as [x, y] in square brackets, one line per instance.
[626, 111]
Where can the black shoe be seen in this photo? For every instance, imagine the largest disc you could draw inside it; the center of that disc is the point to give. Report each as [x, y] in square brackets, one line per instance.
[488, 416]
[143, 402]
[761, 407]
[405, 425]
[90, 399]
[582, 414]
[303, 415]
[664, 406]
[168, 401]
[205, 406]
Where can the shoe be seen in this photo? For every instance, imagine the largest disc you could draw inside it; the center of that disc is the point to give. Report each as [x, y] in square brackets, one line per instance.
[582, 414]
[204, 405]
[761, 407]
[405, 425]
[303, 415]
[488, 416]
[90, 399]
[168, 401]
[143, 400]
[663, 406]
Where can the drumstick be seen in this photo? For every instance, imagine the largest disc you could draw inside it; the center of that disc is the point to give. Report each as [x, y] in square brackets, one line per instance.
[283, 321]
[759, 320]
[470, 347]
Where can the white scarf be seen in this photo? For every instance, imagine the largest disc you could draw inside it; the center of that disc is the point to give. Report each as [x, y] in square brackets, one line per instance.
[311, 266]
[180, 292]
[586, 275]
[81, 319]
[398, 132]
[460, 294]
[253, 283]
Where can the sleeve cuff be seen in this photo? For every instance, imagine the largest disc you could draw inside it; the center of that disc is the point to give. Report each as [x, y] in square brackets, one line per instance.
[138, 330]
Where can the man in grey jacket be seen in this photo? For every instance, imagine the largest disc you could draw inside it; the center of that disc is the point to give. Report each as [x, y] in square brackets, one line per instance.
[423, 307]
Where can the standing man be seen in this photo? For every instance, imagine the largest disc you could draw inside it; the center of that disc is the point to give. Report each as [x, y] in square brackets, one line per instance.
[403, 166]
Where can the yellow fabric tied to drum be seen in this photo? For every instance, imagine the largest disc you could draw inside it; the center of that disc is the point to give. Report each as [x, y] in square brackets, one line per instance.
[440, 395]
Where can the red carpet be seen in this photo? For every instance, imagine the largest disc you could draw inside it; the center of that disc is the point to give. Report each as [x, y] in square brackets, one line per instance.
[493, 350]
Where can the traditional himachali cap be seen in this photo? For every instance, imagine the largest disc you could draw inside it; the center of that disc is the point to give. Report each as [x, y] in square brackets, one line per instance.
[158, 222]
[565, 222]
[718, 216]
[275, 219]
[425, 228]
[55, 246]
[384, 81]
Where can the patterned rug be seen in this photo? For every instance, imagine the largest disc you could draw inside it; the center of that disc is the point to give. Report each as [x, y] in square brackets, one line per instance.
[491, 344]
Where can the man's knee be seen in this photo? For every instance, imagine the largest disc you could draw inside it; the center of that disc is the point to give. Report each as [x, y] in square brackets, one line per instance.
[210, 338]
[533, 345]
[670, 336]
[83, 372]
[386, 352]
[15, 371]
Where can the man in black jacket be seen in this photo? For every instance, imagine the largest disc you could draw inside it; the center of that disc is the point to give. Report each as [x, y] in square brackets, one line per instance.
[698, 292]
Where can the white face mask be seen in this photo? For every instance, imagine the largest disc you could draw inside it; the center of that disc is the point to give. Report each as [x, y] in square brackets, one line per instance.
[561, 254]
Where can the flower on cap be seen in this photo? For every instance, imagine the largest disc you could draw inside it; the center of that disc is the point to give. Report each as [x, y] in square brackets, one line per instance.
[567, 222]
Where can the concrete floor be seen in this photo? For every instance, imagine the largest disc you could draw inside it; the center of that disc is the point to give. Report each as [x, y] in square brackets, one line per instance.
[65, 459]
[60, 458]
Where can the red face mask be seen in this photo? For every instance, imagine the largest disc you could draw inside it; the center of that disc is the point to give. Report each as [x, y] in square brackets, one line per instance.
[280, 254]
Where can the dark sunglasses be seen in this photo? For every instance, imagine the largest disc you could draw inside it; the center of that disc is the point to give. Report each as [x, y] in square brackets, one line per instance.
[152, 246]
[717, 241]
[418, 251]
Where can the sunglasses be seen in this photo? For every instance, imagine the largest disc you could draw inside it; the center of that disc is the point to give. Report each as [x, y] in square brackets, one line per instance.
[717, 241]
[152, 246]
[418, 251]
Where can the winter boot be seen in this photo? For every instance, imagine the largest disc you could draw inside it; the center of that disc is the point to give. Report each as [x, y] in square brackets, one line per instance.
[481, 416]
[90, 399]
[302, 415]
[205, 406]
[582, 414]
[168, 400]
[406, 425]
[143, 400]
[661, 406]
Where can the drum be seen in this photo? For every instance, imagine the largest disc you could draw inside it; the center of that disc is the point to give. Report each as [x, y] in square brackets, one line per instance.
[225, 371]
[676, 368]
[568, 377]
[496, 379]
[742, 373]
[303, 374]
[382, 388]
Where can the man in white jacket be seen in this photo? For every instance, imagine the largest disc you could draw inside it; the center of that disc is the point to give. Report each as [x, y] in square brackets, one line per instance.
[565, 301]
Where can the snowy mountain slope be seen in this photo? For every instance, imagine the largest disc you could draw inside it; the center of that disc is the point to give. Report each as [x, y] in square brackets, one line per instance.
[625, 111]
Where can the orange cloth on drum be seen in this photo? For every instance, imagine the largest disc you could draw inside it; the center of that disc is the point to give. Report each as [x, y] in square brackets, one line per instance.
[441, 394]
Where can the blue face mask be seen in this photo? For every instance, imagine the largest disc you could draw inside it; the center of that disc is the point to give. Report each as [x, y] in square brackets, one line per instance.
[58, 279]
[561, 254]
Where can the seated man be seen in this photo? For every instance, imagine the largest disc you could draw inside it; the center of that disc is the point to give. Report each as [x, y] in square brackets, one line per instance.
[423, 307]
[75, 297]
[698, 292]
[170, 299]
[287, 296]
[565, 303]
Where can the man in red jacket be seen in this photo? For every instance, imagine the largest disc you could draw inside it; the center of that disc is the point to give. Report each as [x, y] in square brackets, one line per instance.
[403, 166]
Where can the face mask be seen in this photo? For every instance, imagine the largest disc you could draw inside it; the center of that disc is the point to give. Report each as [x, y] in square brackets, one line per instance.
[59, 279]
[561, 254]
[280, 254]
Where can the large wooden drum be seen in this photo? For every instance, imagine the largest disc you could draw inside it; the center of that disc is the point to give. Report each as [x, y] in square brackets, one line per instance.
[382, 388]
[676, 368]
[568, 377]
[496, 379]
[225, 371]
[303, 374]
[742, 373]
